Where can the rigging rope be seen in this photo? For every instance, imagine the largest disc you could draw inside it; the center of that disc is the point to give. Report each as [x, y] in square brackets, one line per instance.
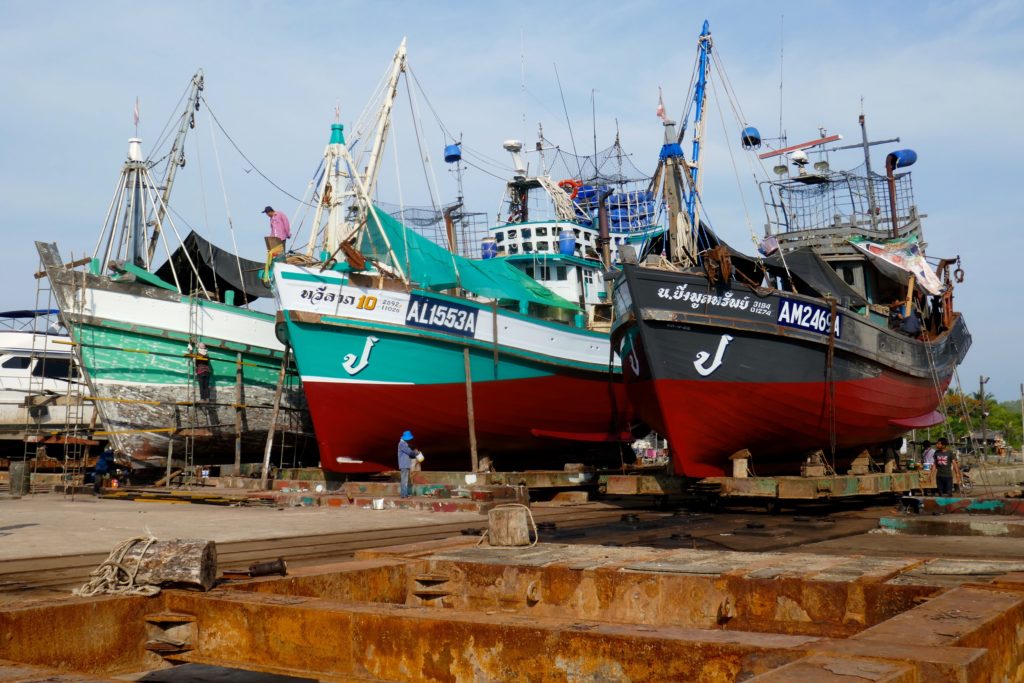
[231, 223]
[168, 127]
[242, 154]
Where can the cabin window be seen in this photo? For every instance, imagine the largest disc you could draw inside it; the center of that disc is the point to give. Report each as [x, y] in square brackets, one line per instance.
[542, 232]
[527, 247]
[56, 368]
[499, 236]
[848, 275]
[586, 237]
[513, 248]
[529, 271]
[588, 277]
[576, 232]
[527, 233]
[560, 273]
[17, 363]
[544, 246]
[511, 234]
[543, 273]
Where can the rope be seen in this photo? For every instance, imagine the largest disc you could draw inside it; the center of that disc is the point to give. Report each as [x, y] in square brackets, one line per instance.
[227, 210]
[247, 159]
[112, 577]
[529, 513]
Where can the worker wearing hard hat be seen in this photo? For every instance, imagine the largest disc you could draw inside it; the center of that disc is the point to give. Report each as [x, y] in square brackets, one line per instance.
[406, 455]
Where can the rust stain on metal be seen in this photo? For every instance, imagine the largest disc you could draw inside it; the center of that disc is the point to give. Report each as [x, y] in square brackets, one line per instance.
[448, 612]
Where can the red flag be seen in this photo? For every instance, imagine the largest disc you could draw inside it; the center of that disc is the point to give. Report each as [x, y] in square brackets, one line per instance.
[661, 106]
[136, 112]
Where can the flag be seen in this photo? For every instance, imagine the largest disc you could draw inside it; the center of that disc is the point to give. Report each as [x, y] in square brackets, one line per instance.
[661, 106]
[136, 112]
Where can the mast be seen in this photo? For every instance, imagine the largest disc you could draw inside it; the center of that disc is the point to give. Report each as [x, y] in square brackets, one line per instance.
[699, 98]
[340, 188]
[176, 158]
[872, 206]
[384, 117]
[679, 235]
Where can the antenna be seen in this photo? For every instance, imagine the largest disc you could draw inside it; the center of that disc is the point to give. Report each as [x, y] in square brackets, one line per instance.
[593, 115]
[522, 76]
[782, 19]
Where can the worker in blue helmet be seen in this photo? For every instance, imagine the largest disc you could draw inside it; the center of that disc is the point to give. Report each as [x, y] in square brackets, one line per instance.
[407, 453]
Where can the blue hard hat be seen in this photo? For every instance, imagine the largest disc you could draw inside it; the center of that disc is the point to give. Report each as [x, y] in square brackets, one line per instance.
[407, 436]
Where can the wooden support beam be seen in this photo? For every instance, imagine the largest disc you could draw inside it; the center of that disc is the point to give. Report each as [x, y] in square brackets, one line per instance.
[67, 266]
[273, 416]
[469, 411]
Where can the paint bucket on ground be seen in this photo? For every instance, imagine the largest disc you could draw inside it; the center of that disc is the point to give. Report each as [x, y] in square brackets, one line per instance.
[377, 504]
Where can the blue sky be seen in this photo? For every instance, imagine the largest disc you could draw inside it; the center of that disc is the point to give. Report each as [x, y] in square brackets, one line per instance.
[945, 77]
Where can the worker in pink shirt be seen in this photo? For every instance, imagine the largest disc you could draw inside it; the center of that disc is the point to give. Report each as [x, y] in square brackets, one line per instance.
[279, 226]
[279, 232]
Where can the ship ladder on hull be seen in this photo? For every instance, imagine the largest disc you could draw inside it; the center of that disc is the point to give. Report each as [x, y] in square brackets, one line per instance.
[192, 409]
[75, 438]
[35, 398]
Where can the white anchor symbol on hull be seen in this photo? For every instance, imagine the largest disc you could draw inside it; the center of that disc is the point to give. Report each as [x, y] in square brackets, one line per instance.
[702, 357]
[350, 365]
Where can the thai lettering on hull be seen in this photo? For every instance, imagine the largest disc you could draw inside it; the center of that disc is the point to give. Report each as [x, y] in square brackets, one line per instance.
[807, 316]
[441, 315]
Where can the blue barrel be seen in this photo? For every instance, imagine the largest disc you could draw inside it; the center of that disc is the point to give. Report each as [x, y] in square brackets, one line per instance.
[902, 157]
[488, 247]
[452, 153]
[567, 243]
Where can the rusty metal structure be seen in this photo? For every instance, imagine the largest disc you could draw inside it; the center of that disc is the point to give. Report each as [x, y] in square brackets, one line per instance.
[451, 610]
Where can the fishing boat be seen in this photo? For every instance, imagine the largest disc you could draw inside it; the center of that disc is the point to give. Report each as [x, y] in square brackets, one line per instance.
[39, 398]
[477, 358]
[839, 337]
[136, 327]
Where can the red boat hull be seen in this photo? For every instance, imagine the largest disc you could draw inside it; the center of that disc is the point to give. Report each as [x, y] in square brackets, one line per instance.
[779, 374]
[784, 420]
[534, 422]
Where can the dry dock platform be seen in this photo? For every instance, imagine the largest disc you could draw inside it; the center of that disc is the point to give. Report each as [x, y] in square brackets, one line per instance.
[611, 592]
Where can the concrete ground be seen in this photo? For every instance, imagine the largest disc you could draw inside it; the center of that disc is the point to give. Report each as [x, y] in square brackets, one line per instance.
[49, 525]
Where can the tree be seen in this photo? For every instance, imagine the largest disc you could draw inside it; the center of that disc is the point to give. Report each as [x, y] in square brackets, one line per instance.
[1002, 417]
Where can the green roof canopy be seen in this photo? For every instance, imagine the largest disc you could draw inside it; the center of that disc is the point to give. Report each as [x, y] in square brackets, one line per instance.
[433, 267]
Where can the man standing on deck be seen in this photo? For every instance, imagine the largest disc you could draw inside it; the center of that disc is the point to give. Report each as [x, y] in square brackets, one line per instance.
[944, 460]
[279, 226]
[280, 231]
[406, 454]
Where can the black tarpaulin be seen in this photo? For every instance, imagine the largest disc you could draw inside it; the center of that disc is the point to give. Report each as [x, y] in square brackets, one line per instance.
[218, 269]
[806, 265]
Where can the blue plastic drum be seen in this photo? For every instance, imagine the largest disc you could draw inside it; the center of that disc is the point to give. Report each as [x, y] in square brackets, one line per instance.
[567, 243]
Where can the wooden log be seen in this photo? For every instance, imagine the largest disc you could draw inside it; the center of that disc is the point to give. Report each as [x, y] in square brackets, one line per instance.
[508, 526]
[182, 562]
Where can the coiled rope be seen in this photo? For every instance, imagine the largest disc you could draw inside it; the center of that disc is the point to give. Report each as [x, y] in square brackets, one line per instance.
[112, 577]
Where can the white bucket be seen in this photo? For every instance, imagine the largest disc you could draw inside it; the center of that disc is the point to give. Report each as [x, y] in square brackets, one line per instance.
[377, 504]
